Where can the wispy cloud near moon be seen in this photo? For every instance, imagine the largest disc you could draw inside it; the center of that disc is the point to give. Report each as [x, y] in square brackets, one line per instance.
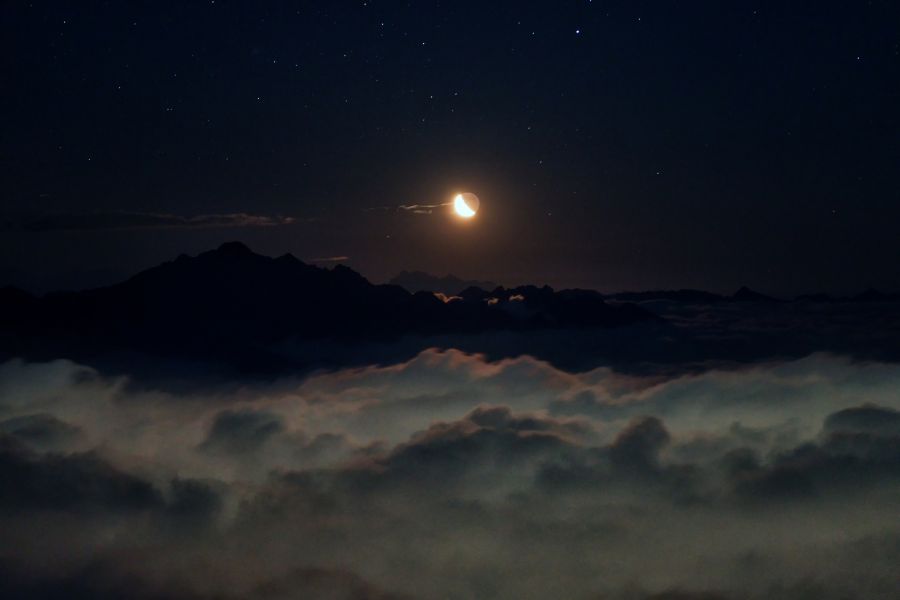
[421, 209]
[327, 259]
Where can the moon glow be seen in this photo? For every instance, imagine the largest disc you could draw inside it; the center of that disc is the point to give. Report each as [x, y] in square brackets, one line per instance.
[466, 205]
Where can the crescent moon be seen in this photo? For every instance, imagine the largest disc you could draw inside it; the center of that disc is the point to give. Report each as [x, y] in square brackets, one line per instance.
[463, 208]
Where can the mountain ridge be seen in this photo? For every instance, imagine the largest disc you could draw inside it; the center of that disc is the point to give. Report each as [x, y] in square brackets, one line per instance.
[231, 301]
[418, 281]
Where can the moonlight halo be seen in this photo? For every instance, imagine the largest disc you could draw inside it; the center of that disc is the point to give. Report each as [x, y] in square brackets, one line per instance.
[466, 205]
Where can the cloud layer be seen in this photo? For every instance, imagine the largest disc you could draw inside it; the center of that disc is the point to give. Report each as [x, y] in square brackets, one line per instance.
[452, 476]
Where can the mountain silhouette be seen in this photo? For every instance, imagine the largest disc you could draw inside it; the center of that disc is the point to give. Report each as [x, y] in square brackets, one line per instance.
[873, 295]
[419, 281]
[685, 295]
[745, 294]
[816, 298]
[233, 304]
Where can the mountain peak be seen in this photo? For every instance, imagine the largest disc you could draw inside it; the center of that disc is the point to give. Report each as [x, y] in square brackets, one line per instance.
[234, 249]
[745, 294]
[288, 258]
[415, 281]
[345, 273]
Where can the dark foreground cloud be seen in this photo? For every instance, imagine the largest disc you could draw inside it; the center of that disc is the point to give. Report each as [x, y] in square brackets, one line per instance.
[451, 476]
[142, 220]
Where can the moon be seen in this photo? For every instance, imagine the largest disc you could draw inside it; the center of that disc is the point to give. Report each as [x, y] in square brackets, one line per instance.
[466, 205]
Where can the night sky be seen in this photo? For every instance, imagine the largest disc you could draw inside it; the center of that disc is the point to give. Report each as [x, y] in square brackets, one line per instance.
[614, 145]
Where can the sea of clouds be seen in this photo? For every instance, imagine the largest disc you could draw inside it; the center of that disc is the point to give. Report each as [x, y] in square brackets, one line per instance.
[453, 476]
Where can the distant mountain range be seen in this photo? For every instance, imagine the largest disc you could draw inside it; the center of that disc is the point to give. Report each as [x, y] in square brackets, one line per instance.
[236, 311]
[231, 303]
[744, 294]
[451, 285]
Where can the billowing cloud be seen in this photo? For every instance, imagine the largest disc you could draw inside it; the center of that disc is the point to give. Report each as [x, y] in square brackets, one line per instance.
[453, 476]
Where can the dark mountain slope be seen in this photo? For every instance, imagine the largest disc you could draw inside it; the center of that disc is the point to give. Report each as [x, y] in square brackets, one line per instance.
[232, 304]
